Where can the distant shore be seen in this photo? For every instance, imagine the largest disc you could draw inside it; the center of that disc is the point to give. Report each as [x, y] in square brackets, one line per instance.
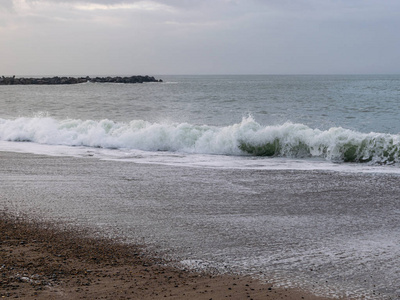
[38, 261]
[74, 80]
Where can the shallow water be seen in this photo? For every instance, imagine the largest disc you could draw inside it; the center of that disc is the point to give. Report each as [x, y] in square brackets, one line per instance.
[296, 227]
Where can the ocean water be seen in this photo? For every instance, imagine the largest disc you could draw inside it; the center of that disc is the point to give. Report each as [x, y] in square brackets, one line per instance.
[333, 118]
[288, 178]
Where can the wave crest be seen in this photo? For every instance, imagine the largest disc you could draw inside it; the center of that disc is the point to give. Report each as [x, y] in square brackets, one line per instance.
[245, 138]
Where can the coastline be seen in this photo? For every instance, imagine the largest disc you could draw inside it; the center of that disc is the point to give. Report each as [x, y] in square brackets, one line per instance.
[89, 194]
[39, 261]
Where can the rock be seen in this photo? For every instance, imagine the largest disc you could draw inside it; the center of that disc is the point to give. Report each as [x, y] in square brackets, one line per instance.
[73, 80]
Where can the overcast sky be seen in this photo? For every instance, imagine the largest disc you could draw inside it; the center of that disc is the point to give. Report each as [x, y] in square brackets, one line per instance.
[129, 37]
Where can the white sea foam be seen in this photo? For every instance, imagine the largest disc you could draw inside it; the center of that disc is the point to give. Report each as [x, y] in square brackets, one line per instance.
[245, 138]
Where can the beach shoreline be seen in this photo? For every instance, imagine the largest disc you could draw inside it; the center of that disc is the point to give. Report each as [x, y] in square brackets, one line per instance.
[40, 261]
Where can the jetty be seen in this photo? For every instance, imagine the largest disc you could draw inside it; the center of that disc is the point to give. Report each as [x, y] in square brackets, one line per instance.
[75, 80]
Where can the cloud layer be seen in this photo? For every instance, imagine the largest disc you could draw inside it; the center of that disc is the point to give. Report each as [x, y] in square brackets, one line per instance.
[101, 37]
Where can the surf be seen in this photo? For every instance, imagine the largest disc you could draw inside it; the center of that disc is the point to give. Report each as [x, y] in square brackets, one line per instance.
[248, 137]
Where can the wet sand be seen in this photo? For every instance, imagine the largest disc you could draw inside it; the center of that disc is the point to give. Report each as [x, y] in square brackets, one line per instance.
[39, 261]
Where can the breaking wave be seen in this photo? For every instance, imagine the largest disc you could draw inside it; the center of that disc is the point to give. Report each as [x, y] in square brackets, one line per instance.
[245, 138]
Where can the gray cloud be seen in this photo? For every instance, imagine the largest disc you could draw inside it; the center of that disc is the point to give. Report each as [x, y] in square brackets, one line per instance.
[207, 36]
[109, 2]
[6, 5]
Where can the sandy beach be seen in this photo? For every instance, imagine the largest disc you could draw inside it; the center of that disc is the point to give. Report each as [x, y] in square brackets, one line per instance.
[38, 261]
[63, 221]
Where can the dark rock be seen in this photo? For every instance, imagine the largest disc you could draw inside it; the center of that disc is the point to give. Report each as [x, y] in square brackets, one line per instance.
[73, 80]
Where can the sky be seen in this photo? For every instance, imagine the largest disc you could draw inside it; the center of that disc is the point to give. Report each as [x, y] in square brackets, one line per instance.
[159, 37]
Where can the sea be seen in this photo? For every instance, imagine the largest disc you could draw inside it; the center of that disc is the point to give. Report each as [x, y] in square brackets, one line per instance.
[291, 179]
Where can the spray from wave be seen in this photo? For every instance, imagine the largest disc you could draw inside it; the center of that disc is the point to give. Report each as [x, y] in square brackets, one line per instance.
[245, 138]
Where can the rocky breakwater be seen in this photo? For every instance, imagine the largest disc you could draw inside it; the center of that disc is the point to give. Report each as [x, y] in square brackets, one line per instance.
[74, 80]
